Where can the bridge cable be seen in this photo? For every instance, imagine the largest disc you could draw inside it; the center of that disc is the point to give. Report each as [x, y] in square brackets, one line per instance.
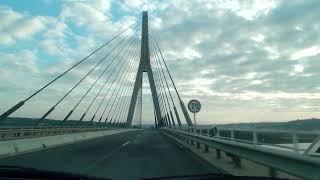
[130, 70]
[107, 94]
[116, 97]
[158, 92]
[134, 51]
[100, 90]
[88, 108]
[129, 100]
[105, 70]
[123, 107]
[88, 73]
[165, 64]
[162, 76]
[117, 93]
[120, 70]
[123, 102]
[161, 95]
[168, 89]
[21, 103]
[162, 90]
[124, 90]
[126, 107]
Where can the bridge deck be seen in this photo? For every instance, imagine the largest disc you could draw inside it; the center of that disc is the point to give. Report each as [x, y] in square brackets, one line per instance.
[135, 154]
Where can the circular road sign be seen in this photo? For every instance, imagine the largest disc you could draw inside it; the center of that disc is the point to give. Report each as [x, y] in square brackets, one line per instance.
[194, 106]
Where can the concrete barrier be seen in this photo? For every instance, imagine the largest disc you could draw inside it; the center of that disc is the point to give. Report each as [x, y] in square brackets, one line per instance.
[17, 146]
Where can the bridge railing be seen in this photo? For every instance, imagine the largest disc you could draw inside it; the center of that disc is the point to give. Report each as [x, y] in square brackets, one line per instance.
[275, 160]
[287, 140]
[10, 133]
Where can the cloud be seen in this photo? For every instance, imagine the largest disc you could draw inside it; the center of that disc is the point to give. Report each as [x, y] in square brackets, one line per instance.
[23, 60]
[91, 13]
[307, 52]
[95, 17]
[17, 26]
[248, 10]
[54, 40]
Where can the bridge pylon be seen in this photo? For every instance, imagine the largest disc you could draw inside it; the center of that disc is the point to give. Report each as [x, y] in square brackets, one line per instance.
[144, 66]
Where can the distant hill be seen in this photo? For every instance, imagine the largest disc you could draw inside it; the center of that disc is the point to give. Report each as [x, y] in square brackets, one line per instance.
[299, 124]
[17, 121]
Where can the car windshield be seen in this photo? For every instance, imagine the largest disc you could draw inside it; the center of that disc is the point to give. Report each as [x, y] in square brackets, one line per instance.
[131, 89]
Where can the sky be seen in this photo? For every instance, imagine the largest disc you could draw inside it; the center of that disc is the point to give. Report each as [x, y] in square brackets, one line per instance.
[245, 61]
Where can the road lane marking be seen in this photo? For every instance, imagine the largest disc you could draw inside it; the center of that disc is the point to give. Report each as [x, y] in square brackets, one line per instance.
[106, 156]
[126, 143]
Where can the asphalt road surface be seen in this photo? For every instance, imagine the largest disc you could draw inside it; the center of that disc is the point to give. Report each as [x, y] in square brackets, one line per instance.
[130, 155]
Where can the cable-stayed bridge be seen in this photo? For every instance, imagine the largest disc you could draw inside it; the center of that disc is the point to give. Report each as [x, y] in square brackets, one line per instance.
[104, 142]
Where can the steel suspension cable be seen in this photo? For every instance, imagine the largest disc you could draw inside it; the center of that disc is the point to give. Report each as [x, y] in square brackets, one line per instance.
[125, 84]
[125, 53]
[162, 75]
[132, 59]
[69, 114]
[106, 96]
[175, 88]
[161, 80]
[122, 102]
[165, 64]
[98, 108]
[105, 70]
[159, 62]
[162, 99]
[166, 98]
[101, 61]
[161, 90]
[126, 108]
[114, 99]
[161, 94]
[21, 103]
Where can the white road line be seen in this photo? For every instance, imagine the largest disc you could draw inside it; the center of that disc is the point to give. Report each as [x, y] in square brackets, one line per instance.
[126, 143]
[96, 162]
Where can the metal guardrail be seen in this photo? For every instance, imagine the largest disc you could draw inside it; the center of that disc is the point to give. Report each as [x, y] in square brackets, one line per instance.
[10, 133]
[288, 162]
[268, 137]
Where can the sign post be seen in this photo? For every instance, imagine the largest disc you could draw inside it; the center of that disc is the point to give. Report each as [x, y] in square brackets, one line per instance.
[194, 106]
